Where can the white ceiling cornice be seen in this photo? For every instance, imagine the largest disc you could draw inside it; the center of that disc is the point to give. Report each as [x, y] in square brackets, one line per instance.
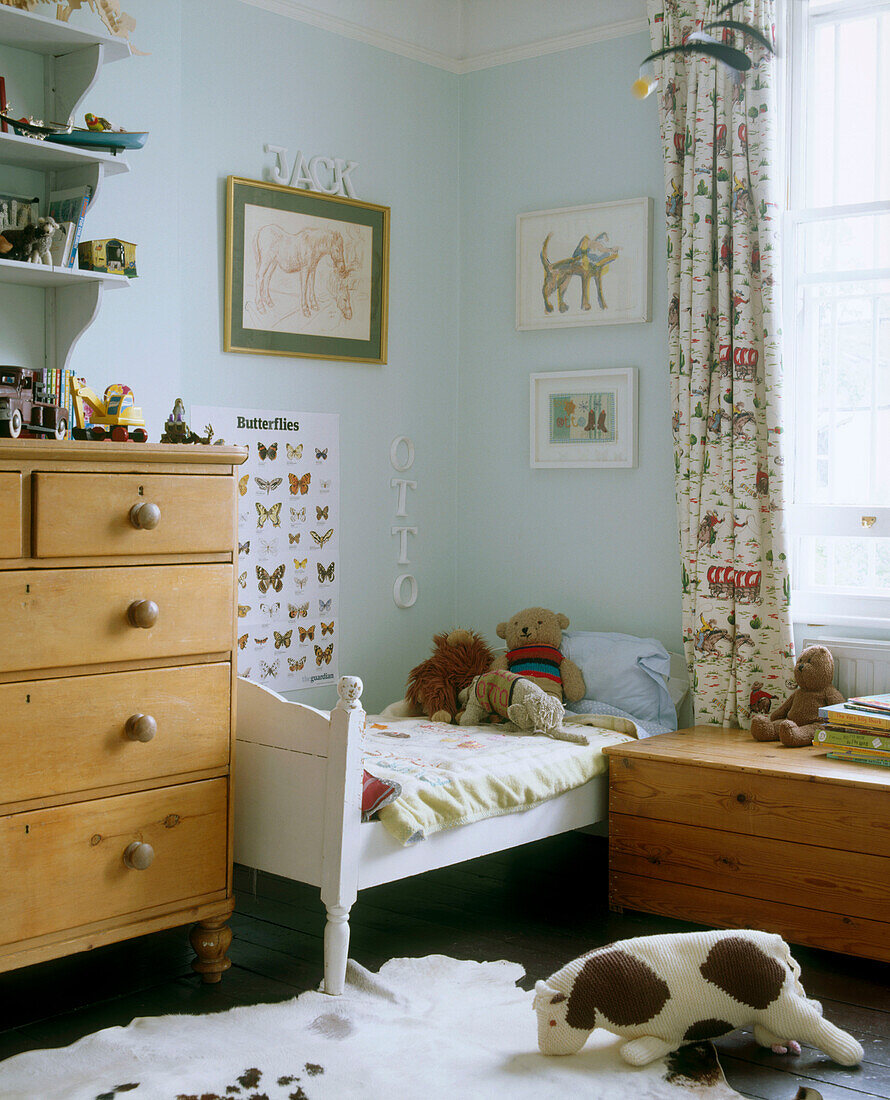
[435, 29]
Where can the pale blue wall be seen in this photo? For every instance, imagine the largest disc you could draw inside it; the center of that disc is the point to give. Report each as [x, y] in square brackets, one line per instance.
[600, 545]
[219, 82]
[456, 159]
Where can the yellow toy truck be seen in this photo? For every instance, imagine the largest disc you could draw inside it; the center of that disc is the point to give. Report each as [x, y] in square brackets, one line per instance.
[113, 417]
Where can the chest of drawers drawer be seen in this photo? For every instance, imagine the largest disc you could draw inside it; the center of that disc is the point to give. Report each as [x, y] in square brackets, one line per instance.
[73, 860]
[52, 618]
[10, 514]
[130, 514]
[119, 727]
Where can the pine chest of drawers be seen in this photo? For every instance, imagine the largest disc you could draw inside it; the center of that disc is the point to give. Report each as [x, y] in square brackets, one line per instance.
[117, 606]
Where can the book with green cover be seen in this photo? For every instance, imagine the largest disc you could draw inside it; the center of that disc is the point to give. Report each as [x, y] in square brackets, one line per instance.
[857, 758]
[843, 714]
[831, 735]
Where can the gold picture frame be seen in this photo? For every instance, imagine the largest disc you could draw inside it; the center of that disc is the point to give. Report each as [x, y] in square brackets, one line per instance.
[307, 274]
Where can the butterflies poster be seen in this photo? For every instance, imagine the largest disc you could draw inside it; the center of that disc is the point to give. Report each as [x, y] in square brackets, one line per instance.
[288, 543]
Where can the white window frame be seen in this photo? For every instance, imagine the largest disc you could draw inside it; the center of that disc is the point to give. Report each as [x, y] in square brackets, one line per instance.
[840, 607]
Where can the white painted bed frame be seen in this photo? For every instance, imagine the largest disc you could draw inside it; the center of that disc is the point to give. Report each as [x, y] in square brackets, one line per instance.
[298, 810]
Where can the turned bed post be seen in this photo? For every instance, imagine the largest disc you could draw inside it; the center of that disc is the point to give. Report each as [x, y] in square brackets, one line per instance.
[342, 820]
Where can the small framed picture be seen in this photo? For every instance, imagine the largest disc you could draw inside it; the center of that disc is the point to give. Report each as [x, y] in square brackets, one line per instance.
[584, 418]
[306, 274]
[584, 265]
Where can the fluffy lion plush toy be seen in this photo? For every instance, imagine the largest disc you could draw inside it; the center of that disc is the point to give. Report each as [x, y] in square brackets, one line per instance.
[795, 721]
[434, 684]
[534, 638]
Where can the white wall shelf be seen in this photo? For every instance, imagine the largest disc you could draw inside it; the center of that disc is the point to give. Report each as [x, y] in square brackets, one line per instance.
[71, 60]
[45, 156]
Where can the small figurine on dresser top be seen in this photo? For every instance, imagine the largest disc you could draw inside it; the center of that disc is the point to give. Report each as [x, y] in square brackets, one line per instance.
[176, 429]
[796, 721]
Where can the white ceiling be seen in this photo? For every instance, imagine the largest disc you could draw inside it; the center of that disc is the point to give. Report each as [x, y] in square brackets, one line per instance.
[464, 35]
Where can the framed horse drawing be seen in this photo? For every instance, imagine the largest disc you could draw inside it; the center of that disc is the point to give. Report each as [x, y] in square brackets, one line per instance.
[306, 273]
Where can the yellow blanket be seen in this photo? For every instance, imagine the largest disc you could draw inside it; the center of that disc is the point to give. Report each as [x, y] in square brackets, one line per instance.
[453, 775]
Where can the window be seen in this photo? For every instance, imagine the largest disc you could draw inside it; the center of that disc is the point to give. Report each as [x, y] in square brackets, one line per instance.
[837, 287]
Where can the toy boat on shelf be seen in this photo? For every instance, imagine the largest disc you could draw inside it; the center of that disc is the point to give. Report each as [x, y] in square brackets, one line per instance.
[112, 141]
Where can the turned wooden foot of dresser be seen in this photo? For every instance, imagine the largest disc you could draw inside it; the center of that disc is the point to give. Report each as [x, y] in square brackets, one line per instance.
[117, 631]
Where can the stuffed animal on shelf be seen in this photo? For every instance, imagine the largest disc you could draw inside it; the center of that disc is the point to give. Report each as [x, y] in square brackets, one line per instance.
[498, 694]
[661, 992]
[534, 640]
[30, 244]
[434, 684]
[795, 721]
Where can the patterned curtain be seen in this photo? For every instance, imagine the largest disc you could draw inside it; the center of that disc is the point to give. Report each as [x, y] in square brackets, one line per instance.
[719, 137]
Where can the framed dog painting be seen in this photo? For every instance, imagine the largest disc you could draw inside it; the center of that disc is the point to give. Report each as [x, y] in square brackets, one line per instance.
[584, 265]
[306, 274]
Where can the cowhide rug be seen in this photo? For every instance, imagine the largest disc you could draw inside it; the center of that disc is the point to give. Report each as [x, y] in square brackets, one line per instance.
[432, 1028]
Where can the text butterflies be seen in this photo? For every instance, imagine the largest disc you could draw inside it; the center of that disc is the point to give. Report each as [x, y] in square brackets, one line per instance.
[270, 452]
[298, 515]
[321, 513]
[270, 609]
[327, 628]
[298, 611]
[267, 670]
[242, 579]
[299, 485]
[268, 545]
[261, 641]
[300, 582]
[294, 452]
[322, 539]
[242, 641]
[243, 608]
[268, 486]
[293, 539]
[321, 455]
[324, 606]
[273, 514]
[295, 665]
[325, 484]
[265, 580]
[324, 655]
[282, 641]
[300, 563]
[325, 574]
[310, 633]
[244, 547]
[242, 483]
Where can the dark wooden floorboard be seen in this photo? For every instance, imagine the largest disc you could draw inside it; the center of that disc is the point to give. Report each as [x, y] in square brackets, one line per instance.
[540, 906]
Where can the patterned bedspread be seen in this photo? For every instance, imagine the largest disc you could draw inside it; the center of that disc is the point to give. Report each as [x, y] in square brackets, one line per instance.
[453, 775]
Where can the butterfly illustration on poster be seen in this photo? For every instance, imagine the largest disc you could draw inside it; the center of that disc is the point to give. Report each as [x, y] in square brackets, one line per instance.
[288, 563]
[401, 457]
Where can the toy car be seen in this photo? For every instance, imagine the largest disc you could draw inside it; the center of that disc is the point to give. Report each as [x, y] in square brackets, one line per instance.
[25, 405]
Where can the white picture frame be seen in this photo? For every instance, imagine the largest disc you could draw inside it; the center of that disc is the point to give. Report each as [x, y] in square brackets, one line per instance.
[583, 419]
[584, 265]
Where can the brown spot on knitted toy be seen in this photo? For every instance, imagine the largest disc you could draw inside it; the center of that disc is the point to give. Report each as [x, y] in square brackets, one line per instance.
[433, 685]
[707, 1029]
[741, 969]
[624, 989]
[795, 721]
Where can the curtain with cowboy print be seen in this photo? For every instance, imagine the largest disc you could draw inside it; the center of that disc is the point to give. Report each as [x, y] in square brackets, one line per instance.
[719, 137]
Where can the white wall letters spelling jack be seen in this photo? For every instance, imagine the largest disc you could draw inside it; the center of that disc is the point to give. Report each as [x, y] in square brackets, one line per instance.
[329, 175]
[403, 484]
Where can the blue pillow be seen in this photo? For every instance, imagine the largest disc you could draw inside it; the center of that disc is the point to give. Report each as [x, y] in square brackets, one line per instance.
[627, 672]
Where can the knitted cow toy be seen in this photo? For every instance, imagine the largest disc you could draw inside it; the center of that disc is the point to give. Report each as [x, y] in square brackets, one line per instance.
[498, 694]
[660, 992]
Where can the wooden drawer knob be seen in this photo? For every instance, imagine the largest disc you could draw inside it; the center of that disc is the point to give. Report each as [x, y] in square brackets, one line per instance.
[140, 727]
[143, 613]
[145, 516]
[139, 857]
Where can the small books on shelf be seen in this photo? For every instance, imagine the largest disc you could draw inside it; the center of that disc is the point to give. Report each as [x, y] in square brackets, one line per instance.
[70, 205]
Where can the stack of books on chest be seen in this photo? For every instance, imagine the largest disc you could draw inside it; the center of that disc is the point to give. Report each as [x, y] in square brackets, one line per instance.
[857, 731]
